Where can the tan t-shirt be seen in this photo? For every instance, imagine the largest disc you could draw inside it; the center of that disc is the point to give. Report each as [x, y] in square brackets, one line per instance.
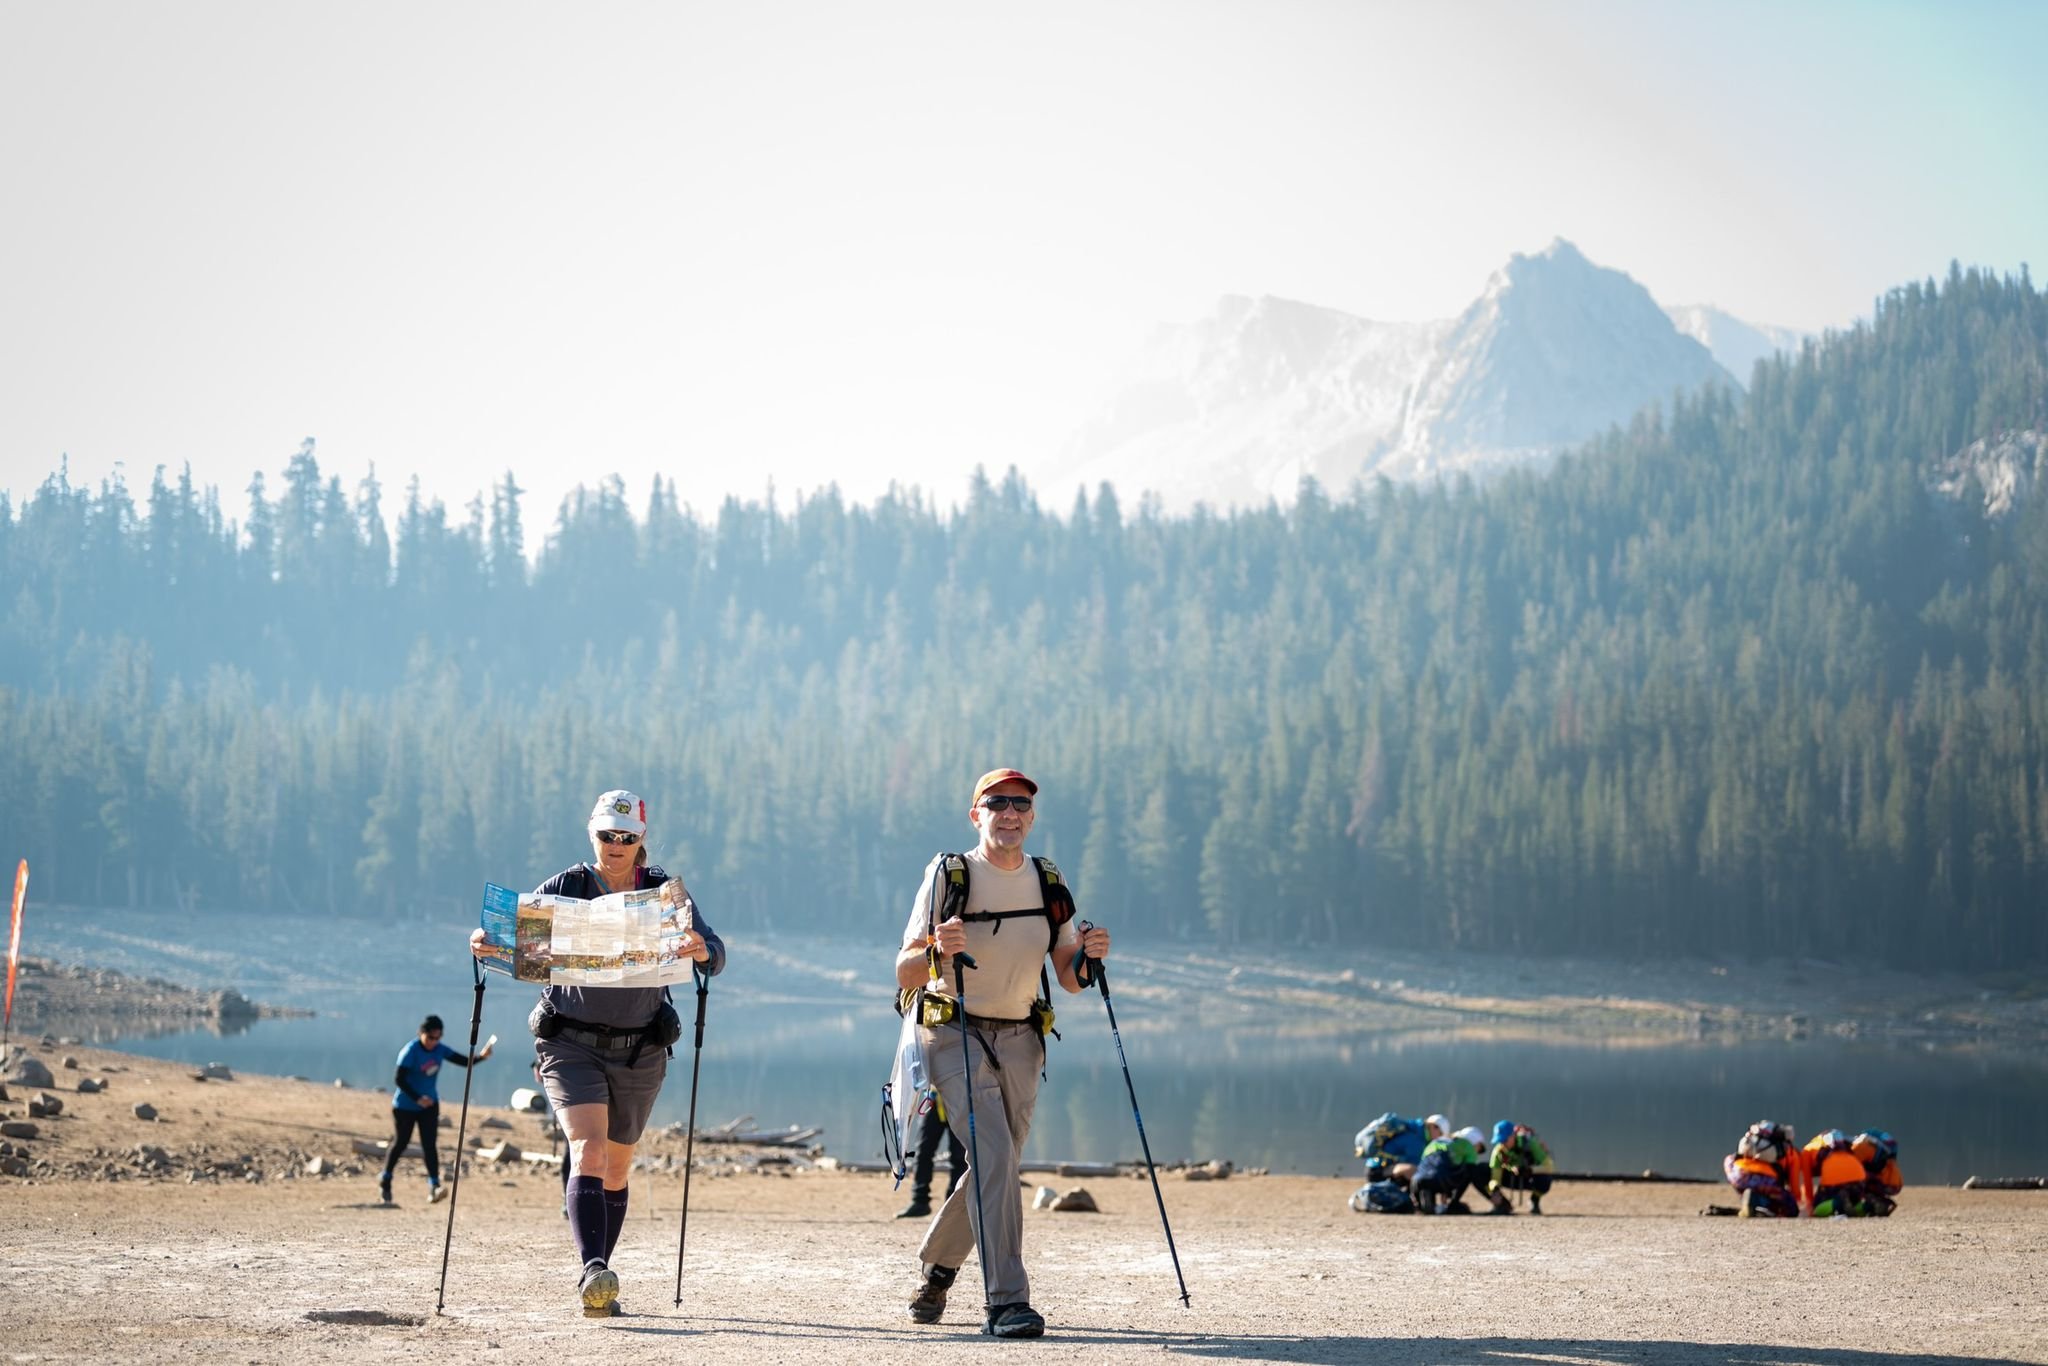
[1007, 953]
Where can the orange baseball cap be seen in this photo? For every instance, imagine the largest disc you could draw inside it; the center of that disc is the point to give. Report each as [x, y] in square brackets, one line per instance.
[998, 775]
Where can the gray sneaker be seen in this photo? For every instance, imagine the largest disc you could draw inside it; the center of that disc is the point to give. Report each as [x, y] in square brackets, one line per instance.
[599, 1289]
[1013, 1321]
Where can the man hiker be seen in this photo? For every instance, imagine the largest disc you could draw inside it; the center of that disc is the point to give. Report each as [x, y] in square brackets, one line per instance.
[1007, 912]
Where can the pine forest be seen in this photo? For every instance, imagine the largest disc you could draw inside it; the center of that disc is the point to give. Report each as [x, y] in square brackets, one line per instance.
[1738, 679]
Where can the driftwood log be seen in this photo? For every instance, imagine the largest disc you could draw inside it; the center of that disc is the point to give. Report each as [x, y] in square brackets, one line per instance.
[1640, 1178]
[2006, 1183]
[1078, 1168]
[792, 1137]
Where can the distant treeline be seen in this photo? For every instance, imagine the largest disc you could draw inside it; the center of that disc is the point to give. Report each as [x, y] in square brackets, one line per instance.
[1730, 681]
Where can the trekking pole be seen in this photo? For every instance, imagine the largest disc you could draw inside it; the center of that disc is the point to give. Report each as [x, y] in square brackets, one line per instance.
[690, 1142]
[476, 1019]
[962, 962]
[1100, 978]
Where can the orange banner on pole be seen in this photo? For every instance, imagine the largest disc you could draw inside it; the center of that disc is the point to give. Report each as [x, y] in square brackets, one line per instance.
[14, 940]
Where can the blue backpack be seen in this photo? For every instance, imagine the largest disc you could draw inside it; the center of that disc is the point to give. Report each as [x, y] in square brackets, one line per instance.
[1382, 1197]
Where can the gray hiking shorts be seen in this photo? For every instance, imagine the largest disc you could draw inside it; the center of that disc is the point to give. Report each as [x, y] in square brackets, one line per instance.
[576, 1074]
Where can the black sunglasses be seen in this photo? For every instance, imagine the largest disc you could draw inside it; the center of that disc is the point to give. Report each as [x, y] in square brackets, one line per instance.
[617, 837]
[999, 802]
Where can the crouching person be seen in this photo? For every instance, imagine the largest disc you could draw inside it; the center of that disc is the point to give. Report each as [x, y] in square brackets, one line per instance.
[1878, 1151]
[1520, 1162]
[1450, 1166]
[1761, 1171]
[1398, 1140]
[1838, 1175]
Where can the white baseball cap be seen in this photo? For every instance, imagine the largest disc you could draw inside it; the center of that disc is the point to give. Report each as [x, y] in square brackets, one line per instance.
[619, 810]
[1470, 1133]
[1440, 1124]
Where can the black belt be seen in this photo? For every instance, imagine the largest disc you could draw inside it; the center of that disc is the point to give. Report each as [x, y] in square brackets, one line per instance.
[607, 1040]
[986, 1022]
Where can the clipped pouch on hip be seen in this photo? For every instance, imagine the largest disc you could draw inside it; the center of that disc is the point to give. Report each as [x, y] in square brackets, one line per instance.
[935, 1009]
[666, 1026]
[544, 1022]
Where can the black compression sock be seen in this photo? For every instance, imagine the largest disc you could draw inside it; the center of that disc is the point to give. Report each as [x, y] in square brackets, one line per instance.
[614, 1219]
[587, 1217]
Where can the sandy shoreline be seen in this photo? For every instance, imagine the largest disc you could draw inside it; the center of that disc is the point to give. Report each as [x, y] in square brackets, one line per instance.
[220, 1247]
[1466, 995]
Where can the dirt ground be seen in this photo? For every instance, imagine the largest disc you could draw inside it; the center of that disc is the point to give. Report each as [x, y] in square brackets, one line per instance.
[218, 1247]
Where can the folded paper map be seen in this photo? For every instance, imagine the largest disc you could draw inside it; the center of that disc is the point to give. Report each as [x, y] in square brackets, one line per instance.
[627, 939]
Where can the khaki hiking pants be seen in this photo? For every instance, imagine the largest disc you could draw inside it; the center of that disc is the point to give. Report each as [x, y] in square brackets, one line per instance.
[1004, 1098]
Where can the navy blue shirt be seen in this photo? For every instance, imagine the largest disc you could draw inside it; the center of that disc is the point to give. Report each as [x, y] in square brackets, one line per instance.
[617, 1007]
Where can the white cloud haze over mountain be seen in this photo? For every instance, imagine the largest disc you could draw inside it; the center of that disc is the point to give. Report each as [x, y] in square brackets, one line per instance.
[816, 243]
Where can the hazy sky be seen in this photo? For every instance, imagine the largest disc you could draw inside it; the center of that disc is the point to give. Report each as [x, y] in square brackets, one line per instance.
[868, 242]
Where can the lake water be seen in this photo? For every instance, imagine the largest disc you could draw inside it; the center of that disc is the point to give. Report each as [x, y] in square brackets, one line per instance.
[799, 1048]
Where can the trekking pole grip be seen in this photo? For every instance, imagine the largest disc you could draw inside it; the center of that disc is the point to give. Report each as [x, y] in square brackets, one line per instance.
[1088, 971]
[703, 984]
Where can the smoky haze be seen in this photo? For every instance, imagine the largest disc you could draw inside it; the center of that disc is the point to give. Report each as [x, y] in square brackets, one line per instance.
[1743, 674]
[821, 245]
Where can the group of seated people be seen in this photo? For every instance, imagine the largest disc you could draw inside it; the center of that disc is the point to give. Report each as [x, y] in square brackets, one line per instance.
[1424, 1166]
[1834, 1176]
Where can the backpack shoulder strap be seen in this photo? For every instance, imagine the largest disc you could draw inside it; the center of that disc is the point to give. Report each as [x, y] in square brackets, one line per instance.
[1059, 900]
[951, 899]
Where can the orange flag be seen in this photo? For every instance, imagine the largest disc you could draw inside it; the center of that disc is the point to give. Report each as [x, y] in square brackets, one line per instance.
[14, 939]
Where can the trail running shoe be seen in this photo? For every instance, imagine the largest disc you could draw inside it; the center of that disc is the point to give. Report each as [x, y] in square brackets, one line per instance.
[916, 1209]
[436, 1194]
[1013, 1321]
[600, 1290]
[384, 1191]
[930, 1300]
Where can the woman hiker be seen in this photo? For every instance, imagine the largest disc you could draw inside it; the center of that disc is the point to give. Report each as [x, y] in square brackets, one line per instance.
[594, 1053]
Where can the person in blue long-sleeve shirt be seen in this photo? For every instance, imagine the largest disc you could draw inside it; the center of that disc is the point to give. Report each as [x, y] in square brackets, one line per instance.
[416, 1102]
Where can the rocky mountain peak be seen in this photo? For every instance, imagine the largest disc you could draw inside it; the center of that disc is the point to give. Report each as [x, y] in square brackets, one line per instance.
[1236, 407]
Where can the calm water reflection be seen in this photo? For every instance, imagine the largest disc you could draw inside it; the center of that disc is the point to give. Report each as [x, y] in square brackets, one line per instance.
[792, 1049]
